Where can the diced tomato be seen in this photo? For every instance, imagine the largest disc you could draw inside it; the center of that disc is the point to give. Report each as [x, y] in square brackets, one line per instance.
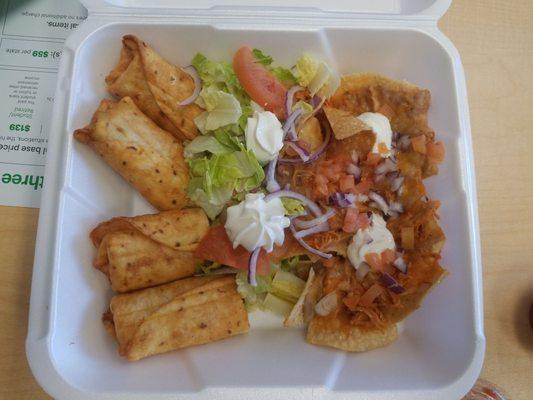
[364, 186]
[435, 152]
[347, 183]
[372, 159]
[374, 260]
[419, 144]
[362, 221]
[371, 294]
[259, 83]
[321, 186]
[350, 220]
[216, 246]
[351, 301]
[388, 256]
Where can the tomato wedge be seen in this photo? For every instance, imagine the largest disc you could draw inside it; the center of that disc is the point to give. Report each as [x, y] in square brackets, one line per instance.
[216, 246]
[259, 83]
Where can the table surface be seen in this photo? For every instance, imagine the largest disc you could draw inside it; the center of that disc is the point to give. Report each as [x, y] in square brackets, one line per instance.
[495, 39]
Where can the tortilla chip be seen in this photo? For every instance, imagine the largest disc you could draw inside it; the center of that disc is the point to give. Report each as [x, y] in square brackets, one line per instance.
[136, 262]
[344, 123]
[148, 157]
[296, 316]
[185, 313]
[156, 86]
[310, 134]
[405, 104]
[336, 331]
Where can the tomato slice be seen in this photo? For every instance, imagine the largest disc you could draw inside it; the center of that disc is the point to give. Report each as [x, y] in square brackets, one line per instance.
[216, 246]
[259, 83]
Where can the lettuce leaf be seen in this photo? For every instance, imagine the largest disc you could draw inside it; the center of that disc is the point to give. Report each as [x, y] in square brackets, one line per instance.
[317, 76]
[253, 295]
[201, 144]
[221, 109]
[284, 75]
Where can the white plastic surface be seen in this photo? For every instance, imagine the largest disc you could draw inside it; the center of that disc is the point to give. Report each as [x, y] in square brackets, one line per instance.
[440, 350]
[432, 9]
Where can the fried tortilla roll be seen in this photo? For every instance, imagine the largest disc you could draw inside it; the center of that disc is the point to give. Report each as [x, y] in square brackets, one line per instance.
[148, 157]
[184, 313]
[149, 250]
[156, 86]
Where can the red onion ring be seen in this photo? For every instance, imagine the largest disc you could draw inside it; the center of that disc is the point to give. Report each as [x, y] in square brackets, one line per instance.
[289, 128]
[311, 231]
[310, 249]
[290, 98]
[314, 222]
[252, 267]
[302, 153]
[197, 85]
[380, 201]
[315, 209]
[272, 184]
[391, 283]
[313, 156]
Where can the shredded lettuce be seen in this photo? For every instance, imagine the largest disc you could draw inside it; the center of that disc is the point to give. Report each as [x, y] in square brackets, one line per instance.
[284, 75]
[277, 306]
[215, 178]
[292, 206]
[289, 264]
[253, 295]
[317, 76]
[201, 144]
[207, 267]
[221, 109]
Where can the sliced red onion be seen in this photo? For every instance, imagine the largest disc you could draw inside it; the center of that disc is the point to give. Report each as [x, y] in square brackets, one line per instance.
[343, 200]
[323, 227]
[300, 224]
[380, 201]
[290, 98]
[197, 85]
[397, 183]
[313, 156]
[396, 206]
[252, 267]
[289, 128]
[272, 184]
[326, 304]
[315, 209]
[391, 283]
[361, 271]
[354, 170]
[378, 178]
[315, 101]
[400, 264]
[355, 157]
[302, 153]
[309, 248]
[385, 167]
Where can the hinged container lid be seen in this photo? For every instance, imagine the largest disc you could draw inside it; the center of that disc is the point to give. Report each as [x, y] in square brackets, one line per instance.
[364, 9]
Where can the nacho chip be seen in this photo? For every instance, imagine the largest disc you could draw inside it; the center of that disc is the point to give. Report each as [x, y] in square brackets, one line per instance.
[344, 123]
[148, 157]
[156, 86]
[148, 250]
[405, 104]
[185, 313]
[336, 331]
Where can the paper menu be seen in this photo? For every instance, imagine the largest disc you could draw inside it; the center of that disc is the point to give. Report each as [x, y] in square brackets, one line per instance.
[31, 41]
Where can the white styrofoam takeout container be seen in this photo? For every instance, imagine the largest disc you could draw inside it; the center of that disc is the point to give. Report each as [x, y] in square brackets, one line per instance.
[441, 346]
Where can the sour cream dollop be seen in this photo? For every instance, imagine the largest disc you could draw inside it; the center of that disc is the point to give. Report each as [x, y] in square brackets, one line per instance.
[255, 222]
[380, 125]
[264, 135]
[374, 239]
